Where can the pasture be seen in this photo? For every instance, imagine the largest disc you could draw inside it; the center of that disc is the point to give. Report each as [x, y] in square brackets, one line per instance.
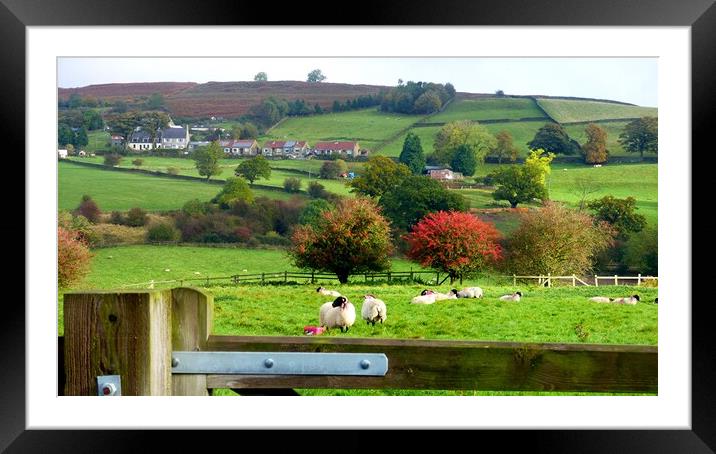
[568, 111]
[488, 109]
[114, 190]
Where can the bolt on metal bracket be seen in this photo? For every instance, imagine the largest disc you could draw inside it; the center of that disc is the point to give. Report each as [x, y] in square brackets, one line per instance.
[279, 363]
[109, 385]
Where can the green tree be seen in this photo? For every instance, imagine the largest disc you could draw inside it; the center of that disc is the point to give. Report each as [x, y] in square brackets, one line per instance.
[417, 196]
[412, 154]
[642, 251]
[206, 160]
[112, 160]
[619, 213]
[292, 185]
[453, 135]
[75, 101]
[333, 169]
[64, 135]
[81, 139]
[521, 184]
[315, 76]
[249, 131]
[505, 148]
[595, 150]
[428, 102]
[152, 122]
[641, 135]
[552, 137]
[380, 175]
[353, 238]
[261, 76]
[313, 211]
[254, 168]
[464, 160]
[234, 190]
[155, 101]
[92, 120]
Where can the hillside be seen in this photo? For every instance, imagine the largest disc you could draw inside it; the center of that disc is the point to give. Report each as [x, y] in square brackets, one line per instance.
[224, 99]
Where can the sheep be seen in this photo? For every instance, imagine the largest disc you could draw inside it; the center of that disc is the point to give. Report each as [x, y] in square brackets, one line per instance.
[373, 310]
[325, 291]
[627, 300]
[601, 299]
[451, 295]
[514, 297]
[339, 313]
[424, 299]
[470, 292]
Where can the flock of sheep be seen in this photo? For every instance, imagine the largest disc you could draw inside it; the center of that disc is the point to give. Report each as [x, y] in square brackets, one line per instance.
[341, 313]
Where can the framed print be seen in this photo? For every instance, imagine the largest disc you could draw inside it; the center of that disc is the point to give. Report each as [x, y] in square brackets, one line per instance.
[65, 50]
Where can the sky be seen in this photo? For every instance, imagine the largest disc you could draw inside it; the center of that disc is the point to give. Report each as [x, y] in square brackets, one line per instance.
[632, 80]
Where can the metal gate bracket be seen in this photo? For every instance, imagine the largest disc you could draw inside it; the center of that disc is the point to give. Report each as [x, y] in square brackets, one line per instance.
[109, 385]
[279, 363]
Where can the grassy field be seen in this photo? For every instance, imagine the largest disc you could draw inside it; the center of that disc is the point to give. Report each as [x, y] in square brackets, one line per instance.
[97, 140]
[369, 127]
[566, 111]
[488, 109]
[613, 129]
[121, 191]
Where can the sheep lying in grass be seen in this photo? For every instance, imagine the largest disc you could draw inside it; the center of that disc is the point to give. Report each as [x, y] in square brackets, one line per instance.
[425, 297]
[339, 313]
[514, 297]
[627, 300]
[470, 292]
[451, 295]
[373, 310]
[325, 291]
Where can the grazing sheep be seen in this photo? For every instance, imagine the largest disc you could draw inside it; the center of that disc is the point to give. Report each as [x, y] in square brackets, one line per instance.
[373, 310]
[470, 292]
[514, 297]
[339, 313]
[325, 291]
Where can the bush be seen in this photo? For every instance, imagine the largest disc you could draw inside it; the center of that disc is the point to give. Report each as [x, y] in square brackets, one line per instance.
[136, 217]
[273, 238]
[78, 224]
[234, 190]
[163, 231]
[642, 252]
[173, 170]
[196, 207]
[292, 185]
[117, 235]
[138, 162]
[89, 209]
[317, 190]
[117, 218]
[332, 169]
[112, 160]
[73, 258]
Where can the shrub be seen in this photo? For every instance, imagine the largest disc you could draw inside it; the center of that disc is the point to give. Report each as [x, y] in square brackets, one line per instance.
[243, 233]
[89, 209]
[136, 217]
[116, 235]
[163, 231]
[112, 160]
[78, 224]
[455, 242]
[313, 211]
[556, 240]
[173, 170]
[619, 213]
[196, 207]
[274, 238]
[73, 258]
[235, 189]
[117, 217]
[317, 190]
[138, 162]
[332, 169]
[292, 185]
[642, 251]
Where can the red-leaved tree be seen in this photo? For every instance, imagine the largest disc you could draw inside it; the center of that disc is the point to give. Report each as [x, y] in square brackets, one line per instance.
[455, 242]
[353, 238]
[73, 258]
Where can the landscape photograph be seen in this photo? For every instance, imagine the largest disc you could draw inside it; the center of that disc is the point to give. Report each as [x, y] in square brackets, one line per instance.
[357, 226]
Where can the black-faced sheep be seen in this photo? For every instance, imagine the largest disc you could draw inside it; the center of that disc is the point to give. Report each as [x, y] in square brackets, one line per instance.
[513, 297]
[339, 313]
[425, 297]
[627, 300]
[373, 310]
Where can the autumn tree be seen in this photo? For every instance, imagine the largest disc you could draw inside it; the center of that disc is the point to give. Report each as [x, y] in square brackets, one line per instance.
[641, 135]
[557, 240]
[207, 159]
[73, 258]
[352, 238]
[505, 148]
[552, 137]
[453, 135]
[380, 175]
[454, 242]
[595, 150]
[417, 196]
[412, 154]
[89, 209]
[254, 168]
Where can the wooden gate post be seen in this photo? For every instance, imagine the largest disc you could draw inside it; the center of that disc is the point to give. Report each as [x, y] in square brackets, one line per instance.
[192, 318]
[125, 333]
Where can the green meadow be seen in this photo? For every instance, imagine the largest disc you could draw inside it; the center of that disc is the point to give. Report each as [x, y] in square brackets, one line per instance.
[488, 109]
[567, 111]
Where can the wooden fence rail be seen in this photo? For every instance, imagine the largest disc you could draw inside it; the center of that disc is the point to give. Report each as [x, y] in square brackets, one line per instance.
[546, 279]
[133, 334]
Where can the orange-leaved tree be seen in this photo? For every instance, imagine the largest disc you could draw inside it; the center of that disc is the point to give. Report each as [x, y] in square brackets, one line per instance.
[73, 257]
[353, 238]
[455, 242]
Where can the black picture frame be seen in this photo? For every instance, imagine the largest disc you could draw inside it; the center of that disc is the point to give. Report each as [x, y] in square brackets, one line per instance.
[700, 15]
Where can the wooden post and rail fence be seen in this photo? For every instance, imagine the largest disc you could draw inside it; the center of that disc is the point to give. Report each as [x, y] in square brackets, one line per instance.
[138, 335]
